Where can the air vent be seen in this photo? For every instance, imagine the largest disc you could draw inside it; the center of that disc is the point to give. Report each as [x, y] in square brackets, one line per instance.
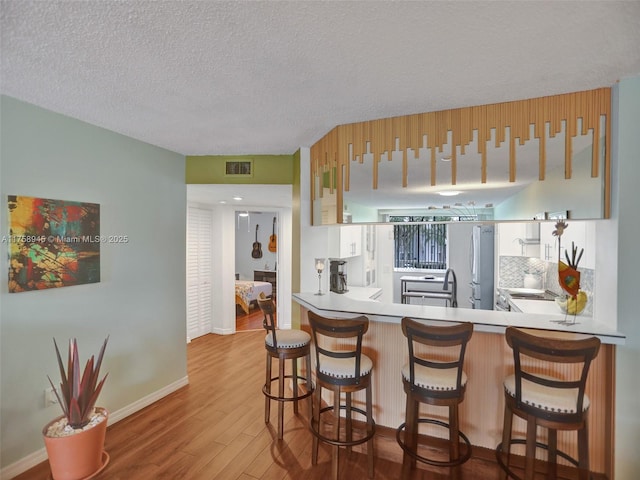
[238, 168]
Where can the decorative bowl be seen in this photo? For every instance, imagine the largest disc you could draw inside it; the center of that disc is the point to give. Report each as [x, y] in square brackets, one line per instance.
[572, 306]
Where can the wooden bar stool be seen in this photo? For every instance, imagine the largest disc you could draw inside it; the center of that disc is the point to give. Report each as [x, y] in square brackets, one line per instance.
[433, 376]
[284, 345]
[342, 368]
[546, 400]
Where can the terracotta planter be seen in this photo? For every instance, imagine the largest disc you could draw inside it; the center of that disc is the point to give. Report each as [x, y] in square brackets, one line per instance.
[78, 456]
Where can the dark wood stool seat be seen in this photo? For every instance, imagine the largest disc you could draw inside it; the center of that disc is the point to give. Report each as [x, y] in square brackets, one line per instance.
[546, 400]
[436, 378]
[284, 345]
[343, 369]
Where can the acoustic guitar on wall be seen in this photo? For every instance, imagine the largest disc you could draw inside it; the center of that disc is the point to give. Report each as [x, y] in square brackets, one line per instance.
[273, 242]
[257, 247]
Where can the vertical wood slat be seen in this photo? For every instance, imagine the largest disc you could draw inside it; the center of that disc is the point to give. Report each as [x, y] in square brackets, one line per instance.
[556, 111]
[512, 141]
[374, 149]
[358, 142]
[541, 135]
[606, 113]
[346, 140]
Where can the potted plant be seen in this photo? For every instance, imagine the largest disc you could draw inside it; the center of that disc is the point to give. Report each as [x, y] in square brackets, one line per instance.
[75, 440]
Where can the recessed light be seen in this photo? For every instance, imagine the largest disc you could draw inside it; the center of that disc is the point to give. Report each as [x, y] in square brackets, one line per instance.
[445, 158]
[222, 201]
[237, 198]
[449, 193]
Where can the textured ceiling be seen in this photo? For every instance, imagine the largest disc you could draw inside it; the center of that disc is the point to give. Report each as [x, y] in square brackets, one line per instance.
[204, 77]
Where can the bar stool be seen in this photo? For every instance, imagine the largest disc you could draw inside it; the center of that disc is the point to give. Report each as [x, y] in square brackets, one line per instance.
[342, 368]
[435, 377]
[545, 400]
[284, 345]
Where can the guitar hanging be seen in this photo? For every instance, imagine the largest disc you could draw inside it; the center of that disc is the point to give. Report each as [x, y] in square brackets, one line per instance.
[272, 239]
[257, 248]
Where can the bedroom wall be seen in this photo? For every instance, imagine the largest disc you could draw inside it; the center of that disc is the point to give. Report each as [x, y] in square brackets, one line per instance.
[140, 300]
[245, 235]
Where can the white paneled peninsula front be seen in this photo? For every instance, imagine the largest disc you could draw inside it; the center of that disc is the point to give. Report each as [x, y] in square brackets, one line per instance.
[488, 360]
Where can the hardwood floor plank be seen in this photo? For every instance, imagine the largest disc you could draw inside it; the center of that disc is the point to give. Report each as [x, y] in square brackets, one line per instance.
[214, 428]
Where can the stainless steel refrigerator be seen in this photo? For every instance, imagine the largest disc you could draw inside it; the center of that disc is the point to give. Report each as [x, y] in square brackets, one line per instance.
[481, 265]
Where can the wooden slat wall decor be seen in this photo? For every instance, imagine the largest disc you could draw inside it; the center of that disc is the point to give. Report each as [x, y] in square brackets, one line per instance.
[379, 137]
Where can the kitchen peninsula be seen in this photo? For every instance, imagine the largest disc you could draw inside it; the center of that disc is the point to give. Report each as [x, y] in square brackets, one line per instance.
[488, 361]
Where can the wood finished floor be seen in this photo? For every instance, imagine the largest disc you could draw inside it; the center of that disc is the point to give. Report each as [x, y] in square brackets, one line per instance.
[214, 429]
[249, 321]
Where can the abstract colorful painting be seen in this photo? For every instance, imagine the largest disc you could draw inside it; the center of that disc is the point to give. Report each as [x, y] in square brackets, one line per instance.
[52, 243]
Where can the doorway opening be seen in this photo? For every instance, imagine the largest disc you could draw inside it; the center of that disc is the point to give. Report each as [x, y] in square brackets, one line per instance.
[256, 264]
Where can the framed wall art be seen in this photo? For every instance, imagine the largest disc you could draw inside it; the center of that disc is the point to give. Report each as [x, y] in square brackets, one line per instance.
[52, 243]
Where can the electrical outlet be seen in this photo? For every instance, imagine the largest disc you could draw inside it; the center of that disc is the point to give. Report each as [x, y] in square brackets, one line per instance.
[49, 397]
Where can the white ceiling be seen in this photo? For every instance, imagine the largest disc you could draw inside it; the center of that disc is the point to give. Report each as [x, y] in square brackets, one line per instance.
[205, 77]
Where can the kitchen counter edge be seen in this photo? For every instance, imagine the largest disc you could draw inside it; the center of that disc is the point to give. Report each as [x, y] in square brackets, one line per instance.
[490, 321]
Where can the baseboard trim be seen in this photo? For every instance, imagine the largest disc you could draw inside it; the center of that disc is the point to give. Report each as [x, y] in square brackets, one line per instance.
[40, 456]
[222, 331]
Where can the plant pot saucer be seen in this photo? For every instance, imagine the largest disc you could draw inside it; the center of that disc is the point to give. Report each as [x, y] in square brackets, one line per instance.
[105, 462]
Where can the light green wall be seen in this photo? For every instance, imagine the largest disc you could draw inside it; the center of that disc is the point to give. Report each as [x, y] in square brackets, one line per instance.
[267, 169]
[140, 300]
[627, 144]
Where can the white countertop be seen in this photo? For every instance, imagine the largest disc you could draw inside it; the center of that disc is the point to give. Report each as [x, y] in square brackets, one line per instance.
[544, 307]
[359, 293]
[357, 302]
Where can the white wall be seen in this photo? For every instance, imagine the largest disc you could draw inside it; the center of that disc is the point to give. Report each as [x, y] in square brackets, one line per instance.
[582, 195]
[245, 234]
[626, 144]
[140, 300]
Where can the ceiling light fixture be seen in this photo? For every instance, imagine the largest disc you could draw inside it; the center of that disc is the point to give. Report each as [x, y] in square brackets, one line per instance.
[445, 158]
[449, 193]
[237, 198]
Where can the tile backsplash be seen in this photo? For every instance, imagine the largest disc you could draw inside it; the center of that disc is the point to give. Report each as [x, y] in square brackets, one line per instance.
[511, 272]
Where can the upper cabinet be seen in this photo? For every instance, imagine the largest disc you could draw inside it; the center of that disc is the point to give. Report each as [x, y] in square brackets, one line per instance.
[345, 241]
[518, 239]
[520, 160]
[580, 234]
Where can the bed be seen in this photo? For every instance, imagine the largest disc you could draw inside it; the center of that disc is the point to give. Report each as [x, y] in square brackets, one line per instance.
[248, 291]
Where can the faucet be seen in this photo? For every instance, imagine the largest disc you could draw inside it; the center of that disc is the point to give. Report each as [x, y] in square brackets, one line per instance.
[454, 286]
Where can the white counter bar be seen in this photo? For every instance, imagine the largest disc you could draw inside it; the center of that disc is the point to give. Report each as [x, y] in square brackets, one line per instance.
[488, 361]
[356, 302]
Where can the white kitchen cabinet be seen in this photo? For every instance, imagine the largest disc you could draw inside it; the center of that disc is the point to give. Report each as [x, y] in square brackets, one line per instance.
[580, 232]
[345, 241]
[369, 256]
[518, 239]
[548, 242]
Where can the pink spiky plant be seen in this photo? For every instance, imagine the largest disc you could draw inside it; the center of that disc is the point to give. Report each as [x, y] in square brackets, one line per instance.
[78, 395]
